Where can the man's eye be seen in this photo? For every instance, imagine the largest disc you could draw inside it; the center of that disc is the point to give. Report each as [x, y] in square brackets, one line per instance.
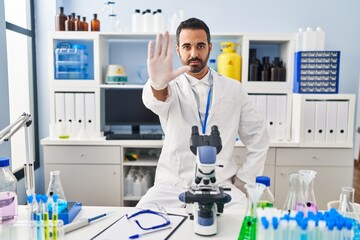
[201, 46]
[186, 47]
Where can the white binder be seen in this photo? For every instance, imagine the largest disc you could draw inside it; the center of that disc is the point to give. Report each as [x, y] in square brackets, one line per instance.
[309, 121]
[70, 107]
[320, 121]
[271, 112]
[79, 109]
[281, 117]
[331, 118]
[60, 108]
[90, 112]
[342, 121]
[261, 105]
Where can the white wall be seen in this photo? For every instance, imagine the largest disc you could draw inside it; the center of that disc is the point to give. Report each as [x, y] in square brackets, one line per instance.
[340, 20]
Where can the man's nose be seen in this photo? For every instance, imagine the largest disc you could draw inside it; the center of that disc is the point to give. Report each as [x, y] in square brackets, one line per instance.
[194, 53]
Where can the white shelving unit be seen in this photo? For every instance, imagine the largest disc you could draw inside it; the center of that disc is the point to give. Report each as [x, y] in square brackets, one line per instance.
[101, 164]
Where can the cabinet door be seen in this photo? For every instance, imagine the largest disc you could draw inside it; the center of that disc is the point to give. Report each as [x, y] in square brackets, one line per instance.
[92, 185]
[327, 187]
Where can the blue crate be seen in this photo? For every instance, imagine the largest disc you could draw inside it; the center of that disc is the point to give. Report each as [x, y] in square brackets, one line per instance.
[317, 72]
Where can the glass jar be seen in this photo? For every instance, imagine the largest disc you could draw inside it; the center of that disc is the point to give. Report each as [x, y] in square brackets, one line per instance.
[8, 193]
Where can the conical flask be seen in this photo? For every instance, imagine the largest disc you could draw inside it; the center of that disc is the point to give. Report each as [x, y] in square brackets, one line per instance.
[308, 177]
[248, 229]
[346, 202]
[56, 188]
[295, 198]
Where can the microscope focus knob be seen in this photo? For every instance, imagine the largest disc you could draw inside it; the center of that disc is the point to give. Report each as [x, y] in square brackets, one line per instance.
[197, 180]
[206, 181]
[213, 179]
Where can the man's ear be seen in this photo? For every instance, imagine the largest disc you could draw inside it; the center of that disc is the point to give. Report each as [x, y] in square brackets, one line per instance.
[177, 50]
[210, 46]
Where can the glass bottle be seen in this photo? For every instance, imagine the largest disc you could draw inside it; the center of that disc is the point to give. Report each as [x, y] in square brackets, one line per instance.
[8, 193]
[254, 66]
[295, 198]
[308, 177]
[55, 187]
[70, 23]
[275, 69]
[85, 25]
[248, 228]
[60, 19]
[265, 72]
[95, 24]
[267, 198]
[346, 201]
[78, 25]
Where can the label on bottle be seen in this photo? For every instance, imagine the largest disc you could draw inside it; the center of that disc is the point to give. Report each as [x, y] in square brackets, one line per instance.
[8, 206]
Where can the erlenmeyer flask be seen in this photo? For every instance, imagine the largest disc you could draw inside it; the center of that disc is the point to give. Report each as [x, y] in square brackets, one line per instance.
[346, 202]
[56, 188]
[295, 198]
[248, 228]
[308, 177]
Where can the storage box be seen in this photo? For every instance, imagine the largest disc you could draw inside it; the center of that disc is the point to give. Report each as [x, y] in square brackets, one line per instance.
[317, 72]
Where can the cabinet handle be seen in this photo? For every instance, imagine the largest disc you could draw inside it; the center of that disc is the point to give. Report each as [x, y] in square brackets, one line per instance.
[282, 174]
[114, 173]
[315, 158]
[82, 155]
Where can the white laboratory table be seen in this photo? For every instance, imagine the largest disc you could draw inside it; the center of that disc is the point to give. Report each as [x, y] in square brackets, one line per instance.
[229, 223]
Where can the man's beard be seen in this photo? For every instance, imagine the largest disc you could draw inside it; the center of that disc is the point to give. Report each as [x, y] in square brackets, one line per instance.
[197, 68]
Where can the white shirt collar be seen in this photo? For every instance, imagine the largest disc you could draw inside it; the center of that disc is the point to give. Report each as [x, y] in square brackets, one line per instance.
[193, 81]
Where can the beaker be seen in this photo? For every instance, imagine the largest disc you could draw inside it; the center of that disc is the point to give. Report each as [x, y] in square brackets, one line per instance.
[248, 228]
[295, 198]
[308, 177]
[346, 202]
[56, 188]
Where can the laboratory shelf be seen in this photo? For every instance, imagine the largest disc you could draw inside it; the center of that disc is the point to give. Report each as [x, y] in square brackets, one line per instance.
[140, 163]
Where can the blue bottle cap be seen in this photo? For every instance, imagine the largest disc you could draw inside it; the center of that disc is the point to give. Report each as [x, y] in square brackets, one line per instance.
[264, 180]
[212, 60]
[4, 162]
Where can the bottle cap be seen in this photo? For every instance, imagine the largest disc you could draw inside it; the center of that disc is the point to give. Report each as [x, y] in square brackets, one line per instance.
[212, 60]
[137, 10]
[4, 162]
[264, 180]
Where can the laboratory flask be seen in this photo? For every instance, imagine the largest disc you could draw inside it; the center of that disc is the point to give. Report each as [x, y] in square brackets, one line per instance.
[8, 193]
[346, 201]
[295, 198]
[266, 199]
[308, 177]
[55, 187]
[248, 228]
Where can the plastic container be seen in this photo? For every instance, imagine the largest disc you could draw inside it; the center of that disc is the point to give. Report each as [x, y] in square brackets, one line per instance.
[266, 200]
[213, 65]
[137, 187]
[71, 61]
[159, 22]
[136, 22]
[8, 193]
[129, 185]
[229, 62]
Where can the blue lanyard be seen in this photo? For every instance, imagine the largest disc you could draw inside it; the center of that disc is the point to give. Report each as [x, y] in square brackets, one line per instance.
[203, 123]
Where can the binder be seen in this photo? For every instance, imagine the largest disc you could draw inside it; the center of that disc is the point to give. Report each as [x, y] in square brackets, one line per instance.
[331, 119]
[90, 112]
[309, 121]
[59, 108]
[281, 117]
[79, 109]
[271, 112]
[70, 107]
[342, 121]
[261, 105]
[320, 121]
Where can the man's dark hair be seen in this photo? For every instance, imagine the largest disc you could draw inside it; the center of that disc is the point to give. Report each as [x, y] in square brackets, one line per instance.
[195, 24]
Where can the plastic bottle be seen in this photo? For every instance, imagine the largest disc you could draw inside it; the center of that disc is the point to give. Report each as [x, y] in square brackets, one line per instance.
[137, 187]
[129, 185]
[95, 24]
[60, 19]
[299, 40]
[159, 22]
[213, 65]
[309, 40]
[148, 21]
[254, 66]
[85, 25]
[174, 23]
[320, 39]
[229, 62]
[267, 198]
[8, 193]
[136, 21]
[55, 187]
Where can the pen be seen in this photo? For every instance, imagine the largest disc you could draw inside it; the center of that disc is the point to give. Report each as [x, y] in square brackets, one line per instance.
[83, 222]
[141, 234]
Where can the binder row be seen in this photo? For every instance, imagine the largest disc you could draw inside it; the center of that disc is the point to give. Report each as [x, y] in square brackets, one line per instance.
[326, 121]
[274, 110]
[74, 112]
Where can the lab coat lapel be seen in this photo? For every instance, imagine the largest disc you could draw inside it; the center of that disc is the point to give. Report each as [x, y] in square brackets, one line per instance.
[185, 87]
[217, 93]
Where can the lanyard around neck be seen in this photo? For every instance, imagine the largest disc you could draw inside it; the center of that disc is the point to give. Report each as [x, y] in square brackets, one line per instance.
[203, 123]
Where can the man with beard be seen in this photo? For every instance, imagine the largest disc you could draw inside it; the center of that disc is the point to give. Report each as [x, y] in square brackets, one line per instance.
[197, 95]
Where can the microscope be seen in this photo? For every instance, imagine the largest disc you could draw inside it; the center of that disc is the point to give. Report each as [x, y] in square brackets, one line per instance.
[205, 201]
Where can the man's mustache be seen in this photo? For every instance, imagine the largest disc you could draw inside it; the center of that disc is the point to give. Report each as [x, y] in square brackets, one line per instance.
[194, 59]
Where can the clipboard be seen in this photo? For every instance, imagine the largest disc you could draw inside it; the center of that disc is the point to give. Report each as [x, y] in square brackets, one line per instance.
[123, 228]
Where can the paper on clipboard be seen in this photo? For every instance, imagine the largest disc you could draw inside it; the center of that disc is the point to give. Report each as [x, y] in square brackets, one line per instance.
[123, 228]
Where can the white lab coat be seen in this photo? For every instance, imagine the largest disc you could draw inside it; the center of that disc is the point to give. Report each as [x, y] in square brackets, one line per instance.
[233, 113]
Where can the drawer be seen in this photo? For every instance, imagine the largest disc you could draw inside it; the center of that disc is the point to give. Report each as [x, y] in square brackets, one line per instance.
[239, 155]
[314, 157]
[82, 154]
